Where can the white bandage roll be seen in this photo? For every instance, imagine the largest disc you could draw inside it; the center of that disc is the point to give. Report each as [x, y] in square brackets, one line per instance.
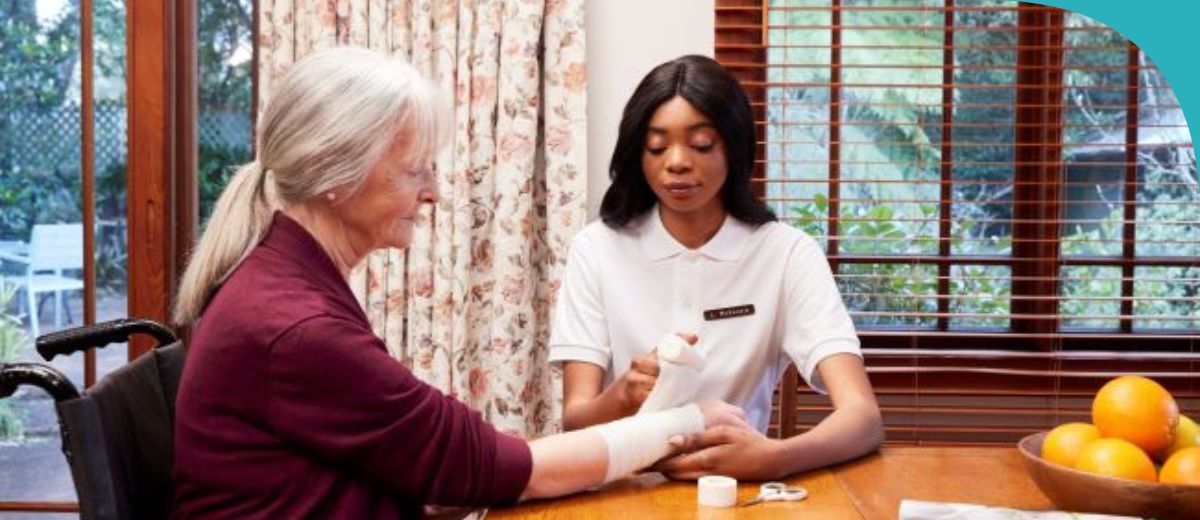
[639, 441]
[673, 349]
[679, 368]
[716, 491]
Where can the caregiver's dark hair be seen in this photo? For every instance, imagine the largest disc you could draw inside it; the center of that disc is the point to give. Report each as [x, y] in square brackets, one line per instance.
[713, 91]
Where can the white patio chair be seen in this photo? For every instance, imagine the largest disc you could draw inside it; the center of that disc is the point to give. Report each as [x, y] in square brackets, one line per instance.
[53, 249]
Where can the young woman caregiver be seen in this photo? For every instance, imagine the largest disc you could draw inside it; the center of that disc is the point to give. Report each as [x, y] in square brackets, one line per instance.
[685, 248]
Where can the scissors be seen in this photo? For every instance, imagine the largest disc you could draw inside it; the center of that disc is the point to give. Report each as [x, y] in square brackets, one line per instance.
[777, 492]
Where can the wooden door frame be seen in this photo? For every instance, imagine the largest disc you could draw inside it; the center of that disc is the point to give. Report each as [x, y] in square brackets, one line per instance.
[161, 174]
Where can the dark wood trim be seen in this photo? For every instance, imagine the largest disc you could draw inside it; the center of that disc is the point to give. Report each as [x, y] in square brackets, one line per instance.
[945, 205]
[87, 197]
[187, 188]
[151, 82]
[1129, 229]
[187, 194]
[1039, 170]
[787, 402]
[835, 133]
[39, 507]
[1166, 341]
[759, 112]
[747, 45]
[1155, 261]
[161, 148]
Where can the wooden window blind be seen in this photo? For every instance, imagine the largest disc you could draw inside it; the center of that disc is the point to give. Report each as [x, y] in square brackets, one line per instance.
[1007, 194]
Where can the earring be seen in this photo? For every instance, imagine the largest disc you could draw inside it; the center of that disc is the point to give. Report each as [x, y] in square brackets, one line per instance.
[331, 196]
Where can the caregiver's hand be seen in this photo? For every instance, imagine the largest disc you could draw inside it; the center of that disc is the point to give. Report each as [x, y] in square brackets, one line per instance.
[737, 452]
[639, 380]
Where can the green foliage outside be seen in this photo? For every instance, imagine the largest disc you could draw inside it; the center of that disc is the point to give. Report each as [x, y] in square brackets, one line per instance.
[223, 29]
[225, 87]
[215, 167]
[39, 119]
[12, 339]
[891, 135]
[40, 158]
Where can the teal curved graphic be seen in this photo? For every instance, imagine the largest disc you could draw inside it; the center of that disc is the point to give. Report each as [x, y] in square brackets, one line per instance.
[1166, 30]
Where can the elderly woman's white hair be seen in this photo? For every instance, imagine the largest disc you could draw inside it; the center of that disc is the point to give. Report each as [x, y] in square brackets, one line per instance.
[330, 120]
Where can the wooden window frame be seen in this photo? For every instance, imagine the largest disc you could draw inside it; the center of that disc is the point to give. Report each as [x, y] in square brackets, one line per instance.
[161, 183]
[741, 44]
[161, 174]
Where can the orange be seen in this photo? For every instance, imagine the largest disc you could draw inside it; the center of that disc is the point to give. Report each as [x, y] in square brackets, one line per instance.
[1182, 468]
[1186, 435]
[1138, 410]
[1064, 443]
[1116, 458]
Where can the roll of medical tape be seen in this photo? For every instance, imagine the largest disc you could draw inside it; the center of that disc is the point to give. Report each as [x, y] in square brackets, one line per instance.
[716, 491]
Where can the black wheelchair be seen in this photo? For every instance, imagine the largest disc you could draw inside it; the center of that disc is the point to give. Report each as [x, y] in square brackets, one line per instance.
[117, 436]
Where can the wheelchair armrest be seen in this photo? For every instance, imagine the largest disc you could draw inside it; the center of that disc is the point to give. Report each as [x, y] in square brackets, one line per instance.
[116, 331]
[45, 377]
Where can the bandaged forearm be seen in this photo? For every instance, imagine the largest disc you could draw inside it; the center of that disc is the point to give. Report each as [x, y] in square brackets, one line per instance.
[679, 368]
[639, 441]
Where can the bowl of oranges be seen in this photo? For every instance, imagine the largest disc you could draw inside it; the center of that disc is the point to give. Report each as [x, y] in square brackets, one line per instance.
[1139, 456]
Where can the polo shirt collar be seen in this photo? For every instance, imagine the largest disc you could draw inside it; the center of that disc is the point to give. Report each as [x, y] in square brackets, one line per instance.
[658, 244]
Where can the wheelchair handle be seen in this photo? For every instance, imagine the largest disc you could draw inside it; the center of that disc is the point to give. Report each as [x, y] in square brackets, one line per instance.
[68, 341]
[45, 377]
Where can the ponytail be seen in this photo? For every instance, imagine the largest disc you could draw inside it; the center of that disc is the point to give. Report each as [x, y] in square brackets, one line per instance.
[238, 223]
[329, 122]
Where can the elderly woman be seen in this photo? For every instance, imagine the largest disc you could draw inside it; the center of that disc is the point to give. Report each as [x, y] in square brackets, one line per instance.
[289, 405]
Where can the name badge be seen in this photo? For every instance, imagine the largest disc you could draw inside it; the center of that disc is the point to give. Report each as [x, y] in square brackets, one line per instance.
[728, 312]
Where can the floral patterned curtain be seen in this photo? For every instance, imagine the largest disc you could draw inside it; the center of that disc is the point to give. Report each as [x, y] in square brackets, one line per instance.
[467, 306]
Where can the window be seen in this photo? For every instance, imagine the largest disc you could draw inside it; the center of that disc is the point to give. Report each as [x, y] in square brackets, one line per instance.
[70, 113]
[62, 216]
[997, 184]
[225, 114]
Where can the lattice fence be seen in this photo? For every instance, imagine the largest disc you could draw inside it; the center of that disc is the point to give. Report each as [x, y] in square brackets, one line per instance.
[50, 139]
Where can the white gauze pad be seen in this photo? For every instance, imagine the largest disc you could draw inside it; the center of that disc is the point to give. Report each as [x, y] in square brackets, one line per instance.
[679, 368]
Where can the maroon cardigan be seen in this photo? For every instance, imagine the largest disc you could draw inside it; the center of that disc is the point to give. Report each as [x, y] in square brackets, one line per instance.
[290, 406]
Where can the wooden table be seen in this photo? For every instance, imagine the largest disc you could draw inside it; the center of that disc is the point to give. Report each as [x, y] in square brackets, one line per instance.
[869, 488]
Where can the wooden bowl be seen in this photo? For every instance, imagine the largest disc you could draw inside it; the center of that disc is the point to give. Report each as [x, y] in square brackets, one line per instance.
[1074, 490]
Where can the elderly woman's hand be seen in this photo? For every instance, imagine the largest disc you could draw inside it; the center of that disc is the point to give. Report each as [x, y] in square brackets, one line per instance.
[720, 413]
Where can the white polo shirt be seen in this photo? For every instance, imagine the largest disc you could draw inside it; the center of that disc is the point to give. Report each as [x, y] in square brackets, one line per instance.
[622, 290]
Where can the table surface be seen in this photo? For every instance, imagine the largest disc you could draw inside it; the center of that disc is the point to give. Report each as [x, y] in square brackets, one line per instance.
[868, 488]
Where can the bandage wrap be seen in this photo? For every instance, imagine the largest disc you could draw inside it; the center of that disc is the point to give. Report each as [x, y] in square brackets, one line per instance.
[639, 441]
[679, 368]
